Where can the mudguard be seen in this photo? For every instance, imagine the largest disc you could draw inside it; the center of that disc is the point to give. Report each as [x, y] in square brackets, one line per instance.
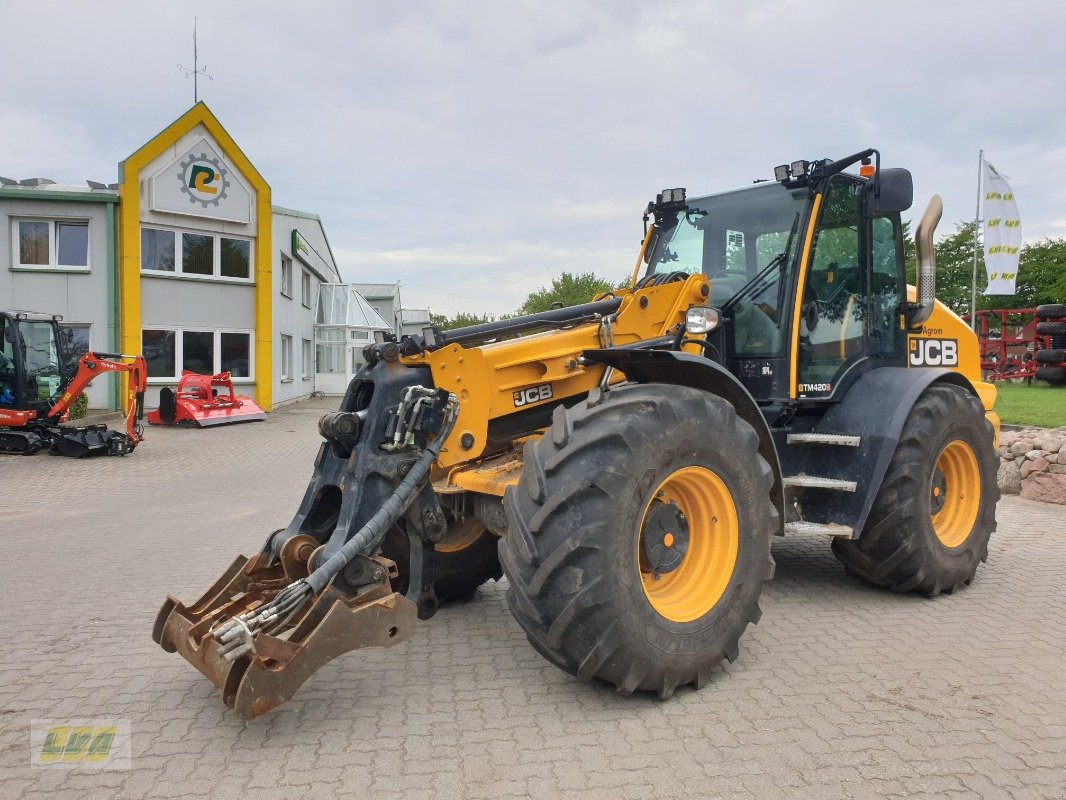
[874, 408]
[684, 369]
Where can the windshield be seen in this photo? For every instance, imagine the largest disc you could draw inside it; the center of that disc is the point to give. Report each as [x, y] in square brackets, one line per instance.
[739, 241]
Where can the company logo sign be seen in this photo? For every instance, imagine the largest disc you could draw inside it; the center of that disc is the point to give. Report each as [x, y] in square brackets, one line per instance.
[203, 179]
[97, 744]
[933, 352]
[533, 394]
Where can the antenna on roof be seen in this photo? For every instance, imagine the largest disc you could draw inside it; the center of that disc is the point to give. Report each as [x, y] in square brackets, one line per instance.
[196, 70]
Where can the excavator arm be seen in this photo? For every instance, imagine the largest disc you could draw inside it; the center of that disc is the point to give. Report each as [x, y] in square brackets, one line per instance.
[90, 366]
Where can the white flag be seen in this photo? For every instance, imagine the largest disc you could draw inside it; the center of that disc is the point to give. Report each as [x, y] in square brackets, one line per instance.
[1003, 233]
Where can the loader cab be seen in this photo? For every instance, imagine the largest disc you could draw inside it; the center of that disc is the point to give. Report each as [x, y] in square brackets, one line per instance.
[32, 361]
[809, 275]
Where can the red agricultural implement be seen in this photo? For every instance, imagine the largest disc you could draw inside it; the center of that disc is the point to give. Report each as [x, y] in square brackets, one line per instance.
[1009, 342]
[202, 401]
[1023, 343]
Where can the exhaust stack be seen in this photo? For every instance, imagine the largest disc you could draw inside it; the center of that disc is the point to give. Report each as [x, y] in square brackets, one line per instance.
[923, 244]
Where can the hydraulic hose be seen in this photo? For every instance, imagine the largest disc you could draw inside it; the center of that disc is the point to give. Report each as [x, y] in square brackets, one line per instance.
[237, 635]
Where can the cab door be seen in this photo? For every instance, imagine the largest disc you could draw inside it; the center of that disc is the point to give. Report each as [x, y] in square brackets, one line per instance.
[853, 290]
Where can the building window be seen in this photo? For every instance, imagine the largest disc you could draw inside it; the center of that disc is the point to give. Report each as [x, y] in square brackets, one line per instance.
[75, 342]
[72, 244]
[168, 352]
[236, 258]
[157, 250]
[357, 359]
[198, 352]
[286, 276]
[202, 255]
[329, 351]
[286, 357]
[305, 288]
[62, 244]
[236, 354]
[307, 362]
[362, 336]
[158, 349]
[197, 254]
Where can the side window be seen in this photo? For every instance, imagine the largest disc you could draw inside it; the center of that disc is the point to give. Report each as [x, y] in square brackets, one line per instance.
[832, 324]
[886, 286]
[7, 367]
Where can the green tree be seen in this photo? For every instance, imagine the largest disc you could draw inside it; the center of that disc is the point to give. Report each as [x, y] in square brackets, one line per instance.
[461, 320]
[566, 290]
[1041, 272]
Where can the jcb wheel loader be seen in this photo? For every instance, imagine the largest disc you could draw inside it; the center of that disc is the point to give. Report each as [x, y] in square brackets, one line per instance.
[767, 372]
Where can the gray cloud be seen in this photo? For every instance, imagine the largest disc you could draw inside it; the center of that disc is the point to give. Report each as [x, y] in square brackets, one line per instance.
[474, 150]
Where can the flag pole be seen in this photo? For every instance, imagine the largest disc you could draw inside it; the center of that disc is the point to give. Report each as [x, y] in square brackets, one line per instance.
[976, 228]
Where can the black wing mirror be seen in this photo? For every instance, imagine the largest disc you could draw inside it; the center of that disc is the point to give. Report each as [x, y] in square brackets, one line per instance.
[891, 192]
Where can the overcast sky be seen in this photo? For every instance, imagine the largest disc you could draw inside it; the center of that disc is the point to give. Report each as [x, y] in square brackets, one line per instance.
[473, 150]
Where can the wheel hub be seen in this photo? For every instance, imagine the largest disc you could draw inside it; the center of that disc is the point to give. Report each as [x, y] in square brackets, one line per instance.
[937, 491]
[666, 538]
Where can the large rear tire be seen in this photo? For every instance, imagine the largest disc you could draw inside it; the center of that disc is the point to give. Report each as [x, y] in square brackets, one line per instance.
[932, 518]
[639, 537]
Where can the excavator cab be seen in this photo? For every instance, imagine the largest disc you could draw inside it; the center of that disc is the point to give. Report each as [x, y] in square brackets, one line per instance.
[40, 378]
[33, 362]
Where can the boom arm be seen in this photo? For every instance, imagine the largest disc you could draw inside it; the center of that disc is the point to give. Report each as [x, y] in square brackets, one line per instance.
[90, 366]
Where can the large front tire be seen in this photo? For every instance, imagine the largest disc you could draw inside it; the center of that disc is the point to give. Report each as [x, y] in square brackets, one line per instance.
[609, 498]
[932, 518]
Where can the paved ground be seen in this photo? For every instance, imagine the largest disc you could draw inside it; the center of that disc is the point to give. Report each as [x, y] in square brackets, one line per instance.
[841, 691]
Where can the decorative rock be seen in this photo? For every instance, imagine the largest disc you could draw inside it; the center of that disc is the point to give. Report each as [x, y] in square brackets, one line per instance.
[1033, 455]
[1057, 469]
[1009, 478]
[1045, 486]
[1026, 468]
[1048, 442]
[1051, 458]
[1040, 465]
[1019, 448]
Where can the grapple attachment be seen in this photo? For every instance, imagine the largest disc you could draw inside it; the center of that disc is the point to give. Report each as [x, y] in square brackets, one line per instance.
[331, 624]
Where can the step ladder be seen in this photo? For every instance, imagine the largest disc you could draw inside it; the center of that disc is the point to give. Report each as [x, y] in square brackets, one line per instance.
[797, 483]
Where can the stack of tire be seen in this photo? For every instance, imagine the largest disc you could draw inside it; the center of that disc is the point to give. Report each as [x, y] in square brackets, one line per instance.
[1051, 362]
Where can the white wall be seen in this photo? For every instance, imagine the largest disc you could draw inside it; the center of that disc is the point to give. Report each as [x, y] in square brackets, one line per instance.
[291, 316]
[81, 297]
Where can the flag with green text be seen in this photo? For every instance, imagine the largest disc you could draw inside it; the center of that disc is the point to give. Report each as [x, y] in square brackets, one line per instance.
[1002, 233]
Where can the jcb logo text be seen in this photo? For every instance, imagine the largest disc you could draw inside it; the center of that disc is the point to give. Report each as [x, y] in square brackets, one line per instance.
[934, 352]
[533, 394]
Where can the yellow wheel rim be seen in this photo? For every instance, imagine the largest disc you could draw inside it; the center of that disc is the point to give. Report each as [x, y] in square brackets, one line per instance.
[955, 493]
[460, 536]
[708, 531]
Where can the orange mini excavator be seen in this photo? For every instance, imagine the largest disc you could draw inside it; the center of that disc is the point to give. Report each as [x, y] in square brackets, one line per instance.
[39, 382]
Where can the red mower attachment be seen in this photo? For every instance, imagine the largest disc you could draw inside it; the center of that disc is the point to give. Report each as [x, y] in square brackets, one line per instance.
[202, 401]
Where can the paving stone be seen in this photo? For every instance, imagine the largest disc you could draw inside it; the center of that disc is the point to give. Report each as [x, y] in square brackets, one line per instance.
[841, 691]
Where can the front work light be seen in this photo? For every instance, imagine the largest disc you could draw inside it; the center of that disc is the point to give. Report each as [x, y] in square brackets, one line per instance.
[781, 173]
[800, 168]
[700, 320]
[672, 196]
